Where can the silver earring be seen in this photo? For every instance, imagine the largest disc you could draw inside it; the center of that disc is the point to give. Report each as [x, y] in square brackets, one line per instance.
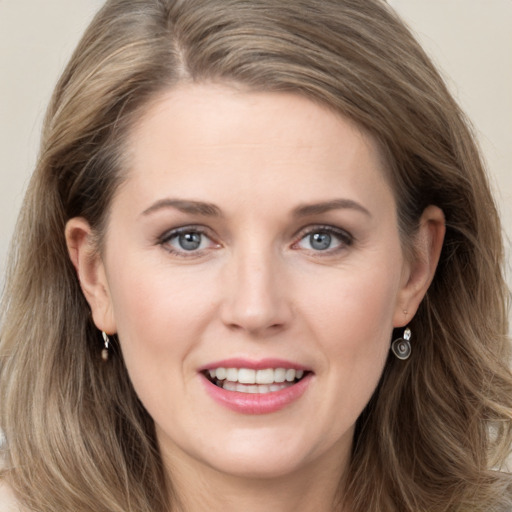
[401, 347]
[106, 343]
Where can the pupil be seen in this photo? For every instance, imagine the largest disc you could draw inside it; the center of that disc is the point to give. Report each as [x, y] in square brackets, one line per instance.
[190, 241]
[320, 241]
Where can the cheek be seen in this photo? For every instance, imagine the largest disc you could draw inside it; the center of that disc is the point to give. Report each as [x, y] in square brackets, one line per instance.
[159, 320]
[159, 317]
[149, 297]
[356, 338]
[355, 306]
[353, 322]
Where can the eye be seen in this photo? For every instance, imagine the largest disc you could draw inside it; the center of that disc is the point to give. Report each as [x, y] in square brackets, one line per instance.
[324, 239]
[187, 240]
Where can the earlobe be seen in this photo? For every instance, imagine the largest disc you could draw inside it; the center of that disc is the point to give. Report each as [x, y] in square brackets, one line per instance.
[421, 269]
[91, 272]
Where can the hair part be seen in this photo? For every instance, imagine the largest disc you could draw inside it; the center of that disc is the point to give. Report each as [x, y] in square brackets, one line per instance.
[77, 436]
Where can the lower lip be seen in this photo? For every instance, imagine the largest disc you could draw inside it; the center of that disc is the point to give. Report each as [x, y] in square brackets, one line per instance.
[257, 403]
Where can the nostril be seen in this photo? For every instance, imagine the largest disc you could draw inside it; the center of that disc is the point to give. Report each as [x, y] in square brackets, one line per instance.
[254, 326]
[256, 308]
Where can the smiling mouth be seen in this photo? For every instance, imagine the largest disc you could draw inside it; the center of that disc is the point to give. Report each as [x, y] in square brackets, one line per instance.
[247, 380]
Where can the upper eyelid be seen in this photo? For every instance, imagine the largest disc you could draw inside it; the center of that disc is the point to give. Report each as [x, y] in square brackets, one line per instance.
[345, 238]
[164, 241]
[307, 230]
[195, 228]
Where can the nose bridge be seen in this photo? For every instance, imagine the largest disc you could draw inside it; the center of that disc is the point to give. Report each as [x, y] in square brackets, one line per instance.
[255, 296]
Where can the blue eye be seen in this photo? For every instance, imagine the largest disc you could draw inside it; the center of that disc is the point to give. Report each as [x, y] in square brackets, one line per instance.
[189, 241]
[186, 240]
[325, 239]
[320, 241]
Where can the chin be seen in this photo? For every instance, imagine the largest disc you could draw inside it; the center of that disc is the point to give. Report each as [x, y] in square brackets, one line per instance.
[258, 466]
[265, 453]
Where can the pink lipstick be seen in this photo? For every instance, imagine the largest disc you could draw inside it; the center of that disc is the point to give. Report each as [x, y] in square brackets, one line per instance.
[255, 387]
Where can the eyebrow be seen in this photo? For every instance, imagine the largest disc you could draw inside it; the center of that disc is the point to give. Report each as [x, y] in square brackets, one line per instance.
[326, 206]
[211, 210]
[185, 206]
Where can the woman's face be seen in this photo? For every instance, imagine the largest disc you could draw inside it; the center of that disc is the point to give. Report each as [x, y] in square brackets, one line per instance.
[254, 240]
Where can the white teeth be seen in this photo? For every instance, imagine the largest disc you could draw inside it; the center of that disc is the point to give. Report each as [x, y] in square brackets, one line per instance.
[279, 375]
[231, 374]
[246, 376]
[277, 387]
[220, 373]
[230, 386]
[244, 388]
[290, 375]
[264, 378]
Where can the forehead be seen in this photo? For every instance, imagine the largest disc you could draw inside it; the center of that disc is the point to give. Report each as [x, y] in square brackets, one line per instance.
[202, 137]
[193, 105]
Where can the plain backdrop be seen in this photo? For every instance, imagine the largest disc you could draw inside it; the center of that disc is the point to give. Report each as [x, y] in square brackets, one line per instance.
[470, 40]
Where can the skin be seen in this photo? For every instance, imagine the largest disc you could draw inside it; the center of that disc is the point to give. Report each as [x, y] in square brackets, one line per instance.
[256, 288]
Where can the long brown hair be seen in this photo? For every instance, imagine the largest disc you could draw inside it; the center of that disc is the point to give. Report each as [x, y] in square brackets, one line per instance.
[439, 424]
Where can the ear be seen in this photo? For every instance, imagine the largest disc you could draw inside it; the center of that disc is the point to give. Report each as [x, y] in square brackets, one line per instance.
[91, 273]
[420, 269]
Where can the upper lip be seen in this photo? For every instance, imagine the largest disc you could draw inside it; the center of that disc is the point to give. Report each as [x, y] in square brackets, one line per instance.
[260, 364]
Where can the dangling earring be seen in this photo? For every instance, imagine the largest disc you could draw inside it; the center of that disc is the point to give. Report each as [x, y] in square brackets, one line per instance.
[106, 343]
[401, 346]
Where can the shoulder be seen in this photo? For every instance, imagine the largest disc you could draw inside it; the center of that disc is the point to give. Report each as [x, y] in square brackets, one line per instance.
[8, 502]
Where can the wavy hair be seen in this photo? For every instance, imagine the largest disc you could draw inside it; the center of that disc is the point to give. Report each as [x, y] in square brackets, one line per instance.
[439, 425]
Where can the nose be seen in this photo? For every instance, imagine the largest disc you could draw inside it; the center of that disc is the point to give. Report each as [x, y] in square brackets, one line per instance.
[256, 298]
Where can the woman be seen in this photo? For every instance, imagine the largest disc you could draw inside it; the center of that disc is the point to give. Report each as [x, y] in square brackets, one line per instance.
[258, 265]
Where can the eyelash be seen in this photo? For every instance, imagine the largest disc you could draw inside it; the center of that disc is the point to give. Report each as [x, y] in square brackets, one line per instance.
[345, 240]
[344, 237]
[167, 237]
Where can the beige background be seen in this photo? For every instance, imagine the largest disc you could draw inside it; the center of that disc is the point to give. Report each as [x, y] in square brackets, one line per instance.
[471, 41]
